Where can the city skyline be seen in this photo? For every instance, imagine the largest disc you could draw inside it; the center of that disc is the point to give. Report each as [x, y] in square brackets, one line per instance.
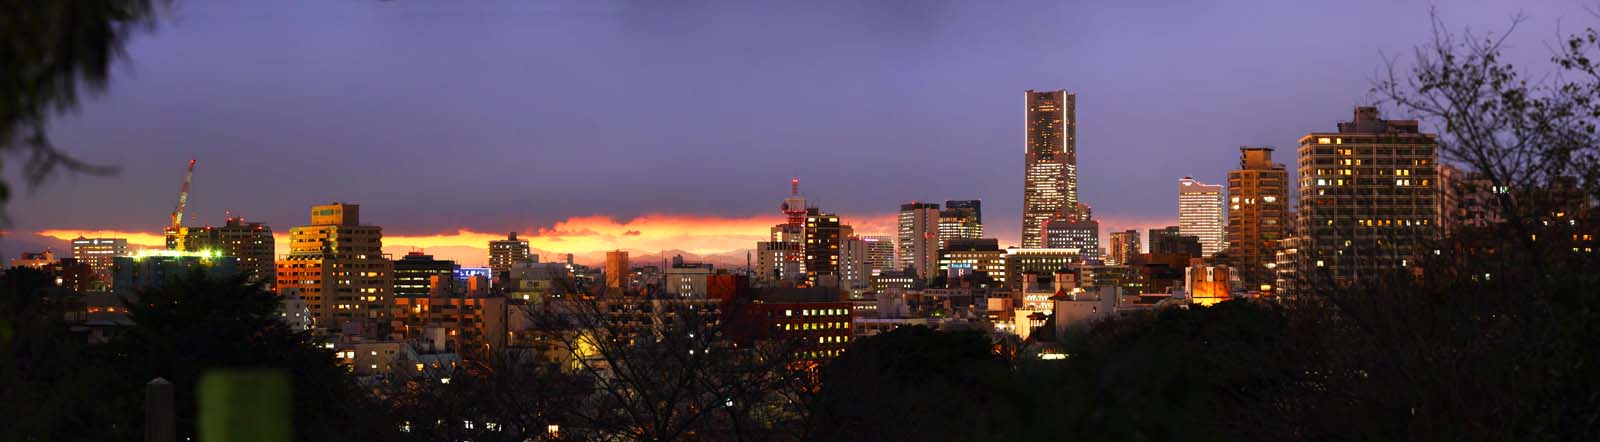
[231, 130]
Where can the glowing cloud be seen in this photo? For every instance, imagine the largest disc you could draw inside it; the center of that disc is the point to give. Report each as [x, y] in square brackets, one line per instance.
[138, 239]
[582, 236]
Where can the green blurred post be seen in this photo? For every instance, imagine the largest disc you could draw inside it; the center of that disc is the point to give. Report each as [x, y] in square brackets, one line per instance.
[244, 406]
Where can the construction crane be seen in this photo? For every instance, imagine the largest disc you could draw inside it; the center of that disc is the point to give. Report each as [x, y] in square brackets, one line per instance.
[183, 200]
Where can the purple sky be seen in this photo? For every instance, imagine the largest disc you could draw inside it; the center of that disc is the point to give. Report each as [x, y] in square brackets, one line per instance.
[513, 115]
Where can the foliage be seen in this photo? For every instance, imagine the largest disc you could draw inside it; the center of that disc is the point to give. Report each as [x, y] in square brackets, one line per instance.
[52, 53]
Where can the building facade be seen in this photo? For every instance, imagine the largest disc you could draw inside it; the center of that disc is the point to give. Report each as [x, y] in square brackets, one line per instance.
[1368, 199]
[960, 219]
[337, 266]
[1123, 247]
[1050, 181]
[504, 253]
[100, 254]
[1258, 205]
[617, 271]
[821, 246]
[1074, 233]
[1200, 214]
[918, 238]
[417, 274]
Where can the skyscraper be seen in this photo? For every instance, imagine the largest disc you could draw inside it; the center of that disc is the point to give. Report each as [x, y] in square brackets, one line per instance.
[822, 248]
[880, 253]
[1258, 200]
[503, 253]
[960, 219]
[1200, 214]
[919, 237]
[1050, 181]
[1369, 197]
[1072, 232]
[1123, 247]
[337, 266]
[616, 271]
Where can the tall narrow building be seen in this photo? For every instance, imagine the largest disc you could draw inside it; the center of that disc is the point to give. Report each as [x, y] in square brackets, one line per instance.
[821, 247]
[1050, 181]
[337, 266]
[918, 238]
[1369, 197]
[1258, 201]
[617, 271]
[1200, 214]
[1123, 247]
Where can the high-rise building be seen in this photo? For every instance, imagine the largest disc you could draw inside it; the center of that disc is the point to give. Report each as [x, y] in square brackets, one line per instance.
[1258, 200]
[1050, 181]
[1124, 246]
[821, 246]
[918, 238]
[1169, 240]
[416, 274]
[960, 219]
[1071, 232]
[880, 253]
[854, 272]
[100, 254]
[503, 253]
[337, 266]
[1369, 197]
[617, 271]
[1200, 214]
[252, 243]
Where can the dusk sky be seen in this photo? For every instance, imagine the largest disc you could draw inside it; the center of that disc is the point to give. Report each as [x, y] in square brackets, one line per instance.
[677, 124]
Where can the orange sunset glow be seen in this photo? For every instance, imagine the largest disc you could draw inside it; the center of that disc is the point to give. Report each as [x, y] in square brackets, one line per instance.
[584, 236]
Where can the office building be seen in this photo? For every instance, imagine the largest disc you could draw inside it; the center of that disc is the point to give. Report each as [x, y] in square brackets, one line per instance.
[918, 238]
[1200, 214]
[1050, 181]
[855, 274]
[251, 242]
[1020, 262]
[880, 253]
[504, 253]
[1168, 240]
[337, 266]
[617, 271]
[960, 219]
[1074, 230]
[973, 256]
[821, 246]
[687, 280]
[1123, 247]
[1258, 203]
[99, 254]
[417, 274]
[1368, 199]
